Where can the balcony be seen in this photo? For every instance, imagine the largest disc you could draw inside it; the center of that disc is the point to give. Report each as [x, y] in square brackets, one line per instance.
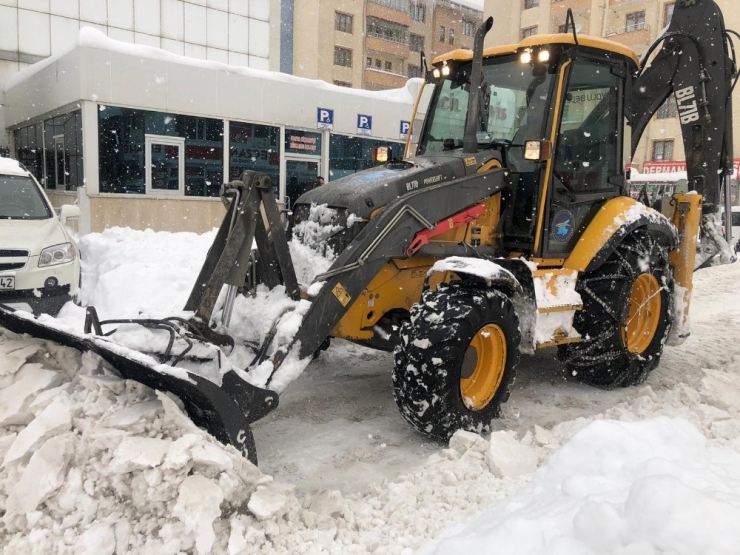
[381, 44]
[631, 28]
[378, 79]
[383, 10]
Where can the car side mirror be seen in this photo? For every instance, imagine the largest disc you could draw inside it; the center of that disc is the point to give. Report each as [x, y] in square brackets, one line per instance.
[68, 211]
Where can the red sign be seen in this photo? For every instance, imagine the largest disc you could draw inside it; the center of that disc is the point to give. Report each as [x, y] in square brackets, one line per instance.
[675, 166]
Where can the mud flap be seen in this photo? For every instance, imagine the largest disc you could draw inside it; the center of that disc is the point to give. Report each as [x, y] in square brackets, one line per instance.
[225, 412]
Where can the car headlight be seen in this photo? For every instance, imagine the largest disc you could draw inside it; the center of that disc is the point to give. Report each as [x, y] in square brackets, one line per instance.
[58, 254]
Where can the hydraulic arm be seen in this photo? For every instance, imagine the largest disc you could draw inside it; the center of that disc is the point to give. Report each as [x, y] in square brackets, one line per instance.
[694, 62]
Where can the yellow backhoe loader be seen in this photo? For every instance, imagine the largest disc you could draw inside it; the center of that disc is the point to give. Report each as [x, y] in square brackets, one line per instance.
[506, 227]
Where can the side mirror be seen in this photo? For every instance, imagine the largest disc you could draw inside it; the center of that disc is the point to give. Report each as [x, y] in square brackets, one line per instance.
[68, 211]
[538, 151]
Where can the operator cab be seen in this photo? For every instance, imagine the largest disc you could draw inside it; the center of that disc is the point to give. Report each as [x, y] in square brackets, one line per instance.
[546, 90]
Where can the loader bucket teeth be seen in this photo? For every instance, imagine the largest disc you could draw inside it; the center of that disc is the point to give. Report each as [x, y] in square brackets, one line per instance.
[225, 412]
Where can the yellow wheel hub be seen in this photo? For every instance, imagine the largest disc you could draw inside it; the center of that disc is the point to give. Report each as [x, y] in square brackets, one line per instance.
[483, 367]
[642, 322]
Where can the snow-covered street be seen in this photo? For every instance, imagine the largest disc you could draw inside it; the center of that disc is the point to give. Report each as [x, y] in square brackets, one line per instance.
[95, 465]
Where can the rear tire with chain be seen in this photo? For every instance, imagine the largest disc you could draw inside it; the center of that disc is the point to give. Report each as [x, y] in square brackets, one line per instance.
[456, 359]
[626, 315]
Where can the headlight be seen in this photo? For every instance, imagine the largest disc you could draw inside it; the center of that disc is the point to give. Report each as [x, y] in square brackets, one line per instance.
[58, 254]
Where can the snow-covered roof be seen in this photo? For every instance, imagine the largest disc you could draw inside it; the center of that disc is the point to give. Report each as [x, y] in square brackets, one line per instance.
[108, 71]
[8, 166]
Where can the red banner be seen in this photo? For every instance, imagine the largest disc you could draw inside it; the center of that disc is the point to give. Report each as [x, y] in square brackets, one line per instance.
[674, 166]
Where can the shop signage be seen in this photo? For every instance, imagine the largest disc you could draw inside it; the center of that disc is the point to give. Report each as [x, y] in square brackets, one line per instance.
[302, 142]
[675, 166]
[364, 124]
[325, 118]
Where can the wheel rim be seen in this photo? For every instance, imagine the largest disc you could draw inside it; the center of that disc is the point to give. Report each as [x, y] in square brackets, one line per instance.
[644, 315]
[483, 367]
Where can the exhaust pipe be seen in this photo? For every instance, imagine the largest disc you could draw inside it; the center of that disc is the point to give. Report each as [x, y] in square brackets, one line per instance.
[470, 141]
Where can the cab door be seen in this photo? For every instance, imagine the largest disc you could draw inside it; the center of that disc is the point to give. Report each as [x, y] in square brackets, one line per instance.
[587, 164]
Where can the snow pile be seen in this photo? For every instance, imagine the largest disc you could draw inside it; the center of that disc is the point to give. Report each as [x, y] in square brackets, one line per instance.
[654, 486]
[99, 465]
[309, 249]
[128, 273]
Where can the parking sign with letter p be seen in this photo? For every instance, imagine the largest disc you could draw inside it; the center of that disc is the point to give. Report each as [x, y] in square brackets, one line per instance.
[325, 118]
[364, 124]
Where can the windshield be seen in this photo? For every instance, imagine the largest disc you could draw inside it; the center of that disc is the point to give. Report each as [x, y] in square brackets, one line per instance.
[513, 105]
[20, 199]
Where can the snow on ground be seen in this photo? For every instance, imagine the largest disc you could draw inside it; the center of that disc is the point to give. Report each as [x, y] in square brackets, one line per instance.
[92, 464]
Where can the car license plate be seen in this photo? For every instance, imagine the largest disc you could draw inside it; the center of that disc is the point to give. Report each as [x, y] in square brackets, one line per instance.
[7, 282]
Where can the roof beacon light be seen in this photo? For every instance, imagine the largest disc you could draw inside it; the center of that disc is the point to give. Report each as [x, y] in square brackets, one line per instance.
[543, 56]
[526, 56]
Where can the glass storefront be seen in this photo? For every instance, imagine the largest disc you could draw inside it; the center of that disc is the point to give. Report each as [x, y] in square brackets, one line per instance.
[52, 151]
[127, 138]
[348, 155]
[254, 147]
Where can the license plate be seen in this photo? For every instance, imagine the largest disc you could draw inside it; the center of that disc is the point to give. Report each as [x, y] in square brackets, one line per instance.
[7, 282]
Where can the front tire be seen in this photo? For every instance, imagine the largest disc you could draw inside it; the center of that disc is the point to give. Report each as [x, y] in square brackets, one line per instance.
[456, 359]
[626, 315]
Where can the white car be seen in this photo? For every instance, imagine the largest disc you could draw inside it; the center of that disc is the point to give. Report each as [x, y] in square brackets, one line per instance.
[39, 259]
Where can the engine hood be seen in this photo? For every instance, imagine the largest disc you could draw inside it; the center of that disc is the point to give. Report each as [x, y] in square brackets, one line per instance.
[32, 235]
[364, 192]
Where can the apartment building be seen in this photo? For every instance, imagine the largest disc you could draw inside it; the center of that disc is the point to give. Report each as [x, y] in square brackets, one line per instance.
[376, 44]
[635, 23]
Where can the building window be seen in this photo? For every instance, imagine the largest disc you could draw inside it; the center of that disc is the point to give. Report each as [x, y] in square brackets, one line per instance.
[468, 28]
[663, 150]
[254, 147]
[529, 31]
[343, 84]
[414, 71]
[451, 36]
[52, 151]
[378, 63]
[418, 12]
[369, 62]
[342, 56]
[531, 4]
[441, 33]
[416, 43]
[123, 152]
[343, 22]
[668, 109]
[635, 21]
[348, 155]
[387, 30]
[389, 66]
[565, 28]
[668, 13]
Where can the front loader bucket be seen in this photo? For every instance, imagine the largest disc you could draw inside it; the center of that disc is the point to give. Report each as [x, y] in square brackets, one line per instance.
[225, 412]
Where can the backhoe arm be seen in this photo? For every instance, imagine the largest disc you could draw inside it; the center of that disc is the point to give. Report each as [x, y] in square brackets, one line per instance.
[694, 63]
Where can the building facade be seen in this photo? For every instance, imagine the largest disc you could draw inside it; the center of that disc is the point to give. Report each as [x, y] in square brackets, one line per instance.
[123, 131]
[235, 32]
[377, 44]
[635, 23]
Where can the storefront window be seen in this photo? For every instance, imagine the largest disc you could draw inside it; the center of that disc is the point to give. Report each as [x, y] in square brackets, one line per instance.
[123, 139]
[29, 149]
[254, 147]
[348, 155]
[52, 151]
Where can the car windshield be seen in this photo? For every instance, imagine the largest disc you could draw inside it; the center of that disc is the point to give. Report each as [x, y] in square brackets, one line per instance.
[20, 199]
[513, 104]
